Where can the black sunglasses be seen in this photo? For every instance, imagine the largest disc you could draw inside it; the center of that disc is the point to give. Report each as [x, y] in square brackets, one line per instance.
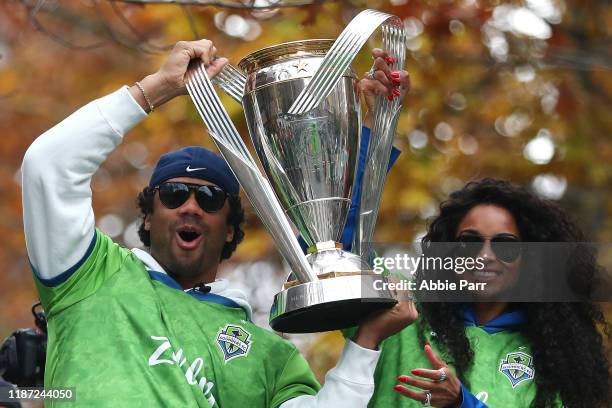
[506, 247]
[174, 194]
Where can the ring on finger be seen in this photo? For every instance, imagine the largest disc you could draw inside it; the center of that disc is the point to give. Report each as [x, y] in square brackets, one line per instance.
[427, 401]
[371, 73]
[443, 375]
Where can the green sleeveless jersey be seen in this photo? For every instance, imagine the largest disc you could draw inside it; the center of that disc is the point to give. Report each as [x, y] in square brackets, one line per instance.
[124, 336]
[502, 374]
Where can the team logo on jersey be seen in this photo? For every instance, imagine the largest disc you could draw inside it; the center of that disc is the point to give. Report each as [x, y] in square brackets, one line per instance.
[234, 341]
[518, 367]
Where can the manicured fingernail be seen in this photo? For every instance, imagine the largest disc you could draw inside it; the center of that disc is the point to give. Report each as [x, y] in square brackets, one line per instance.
[396, 82]
[389, 60]
[415, 371]
[397, 388]
[427, 343]
[396, 92]
[390, 97]
[395, 74]
[402, 378]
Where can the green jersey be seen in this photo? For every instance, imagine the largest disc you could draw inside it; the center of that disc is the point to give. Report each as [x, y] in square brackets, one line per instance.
[502, 374]
[122, 335]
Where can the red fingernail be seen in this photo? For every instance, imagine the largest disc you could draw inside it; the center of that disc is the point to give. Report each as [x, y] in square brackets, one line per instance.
[390, 97]
[396, 92]
[415, 371]
[396, 82]
[427, 343]
[395, 74]
[397, 388]
[389, 60]
[402, 378]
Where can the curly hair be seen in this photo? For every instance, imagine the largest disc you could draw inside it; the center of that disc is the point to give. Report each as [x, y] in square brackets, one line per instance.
[236, 218]
[567, 346]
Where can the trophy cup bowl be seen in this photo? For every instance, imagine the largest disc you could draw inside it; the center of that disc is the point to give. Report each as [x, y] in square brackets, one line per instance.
[310, 161]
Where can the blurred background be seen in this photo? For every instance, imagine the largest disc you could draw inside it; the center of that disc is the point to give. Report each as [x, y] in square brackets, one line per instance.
[512, 89]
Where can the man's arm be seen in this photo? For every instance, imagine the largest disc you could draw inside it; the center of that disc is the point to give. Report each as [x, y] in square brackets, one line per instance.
[56, 175]
[58, 167]
[351, 382]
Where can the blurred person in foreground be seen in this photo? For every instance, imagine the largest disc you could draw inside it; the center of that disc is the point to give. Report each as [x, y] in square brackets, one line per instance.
[156, 328]
[491, 351]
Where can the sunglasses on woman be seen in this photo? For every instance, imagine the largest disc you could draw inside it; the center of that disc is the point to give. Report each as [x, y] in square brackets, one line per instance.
[506, 247]
[174, 194]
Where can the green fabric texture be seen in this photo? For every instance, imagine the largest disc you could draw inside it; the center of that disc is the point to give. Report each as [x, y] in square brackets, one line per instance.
[123, 339]
[401, 353]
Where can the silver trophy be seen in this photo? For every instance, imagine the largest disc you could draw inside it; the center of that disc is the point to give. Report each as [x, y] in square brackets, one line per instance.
[302, 107]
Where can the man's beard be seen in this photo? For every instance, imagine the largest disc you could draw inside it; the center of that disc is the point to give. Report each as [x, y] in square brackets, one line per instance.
[186, 268]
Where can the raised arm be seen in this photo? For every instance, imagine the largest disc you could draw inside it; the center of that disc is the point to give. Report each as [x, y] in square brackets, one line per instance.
[58, 167]
[351, 382]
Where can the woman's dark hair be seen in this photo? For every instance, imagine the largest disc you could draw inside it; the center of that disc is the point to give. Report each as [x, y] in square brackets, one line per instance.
[235, 218]
[568, 349]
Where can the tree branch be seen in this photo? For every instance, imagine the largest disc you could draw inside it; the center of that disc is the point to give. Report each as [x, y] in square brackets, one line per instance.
[189, 16]
[229, 3]
[34, 7]
[143, 41]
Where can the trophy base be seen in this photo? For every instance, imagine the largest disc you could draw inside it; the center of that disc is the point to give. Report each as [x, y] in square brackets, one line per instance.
[328, 304]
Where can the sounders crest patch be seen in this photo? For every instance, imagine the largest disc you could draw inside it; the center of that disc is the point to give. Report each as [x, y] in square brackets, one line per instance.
[517, 367]
[234, 341]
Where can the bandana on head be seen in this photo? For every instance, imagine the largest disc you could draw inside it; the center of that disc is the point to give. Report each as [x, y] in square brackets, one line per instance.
[198, 162]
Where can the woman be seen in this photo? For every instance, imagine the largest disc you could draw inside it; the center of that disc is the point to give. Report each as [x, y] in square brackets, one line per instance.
[487, 349]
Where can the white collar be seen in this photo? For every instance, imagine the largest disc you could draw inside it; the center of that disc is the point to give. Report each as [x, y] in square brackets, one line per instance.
[218, 287]
[148, 260]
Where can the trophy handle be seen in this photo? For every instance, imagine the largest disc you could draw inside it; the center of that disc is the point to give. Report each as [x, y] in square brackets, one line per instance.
[257, 188]
[344, 51]
[231, 80]
[375, 172]
[339, 57]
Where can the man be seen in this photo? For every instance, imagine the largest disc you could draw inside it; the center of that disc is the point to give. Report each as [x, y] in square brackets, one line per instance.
[136, 328]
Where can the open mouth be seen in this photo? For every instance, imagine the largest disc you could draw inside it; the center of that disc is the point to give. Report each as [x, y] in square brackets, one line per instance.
[188, 237]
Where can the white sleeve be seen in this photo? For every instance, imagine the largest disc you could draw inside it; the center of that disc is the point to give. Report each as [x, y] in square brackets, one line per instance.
[56, 174]
[349, 384]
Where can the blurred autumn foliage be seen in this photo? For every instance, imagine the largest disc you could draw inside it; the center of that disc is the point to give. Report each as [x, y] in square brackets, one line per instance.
[518, 90]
